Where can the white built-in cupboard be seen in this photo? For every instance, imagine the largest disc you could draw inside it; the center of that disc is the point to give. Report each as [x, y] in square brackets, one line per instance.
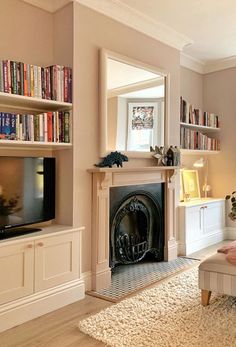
[39, 272]
[201, 224]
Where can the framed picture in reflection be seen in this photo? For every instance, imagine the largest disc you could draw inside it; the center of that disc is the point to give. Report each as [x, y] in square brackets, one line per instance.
[142, 125]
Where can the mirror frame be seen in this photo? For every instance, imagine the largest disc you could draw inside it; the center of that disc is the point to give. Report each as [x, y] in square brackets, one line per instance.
[103, 116]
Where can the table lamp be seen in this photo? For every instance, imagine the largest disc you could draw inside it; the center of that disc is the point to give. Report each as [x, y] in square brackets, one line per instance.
[203, 163]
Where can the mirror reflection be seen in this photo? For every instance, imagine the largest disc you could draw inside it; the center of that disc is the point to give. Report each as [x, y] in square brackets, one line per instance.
[135, 107]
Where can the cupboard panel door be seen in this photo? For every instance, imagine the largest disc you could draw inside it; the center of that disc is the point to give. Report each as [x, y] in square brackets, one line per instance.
[56, 260]
[16, 271]
[194, 223]
[214, 218]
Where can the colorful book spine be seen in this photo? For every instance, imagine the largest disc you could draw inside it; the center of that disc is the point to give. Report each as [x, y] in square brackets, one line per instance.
[66, 127]
[32, 80]
[1, 77]
[49, 126]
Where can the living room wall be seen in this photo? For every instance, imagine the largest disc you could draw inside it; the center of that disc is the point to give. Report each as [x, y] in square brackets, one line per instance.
[22, 35]
[219, 96]
[94, 31]
[191, 89]
[215, 92]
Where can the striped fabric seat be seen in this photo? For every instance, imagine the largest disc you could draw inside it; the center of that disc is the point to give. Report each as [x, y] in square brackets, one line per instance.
[218, 275]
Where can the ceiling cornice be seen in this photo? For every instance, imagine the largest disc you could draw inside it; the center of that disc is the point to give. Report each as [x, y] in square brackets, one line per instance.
[192, 63]
[220, 64]
[49, 6]
[127, 15]
[137, 20]
[204, 67]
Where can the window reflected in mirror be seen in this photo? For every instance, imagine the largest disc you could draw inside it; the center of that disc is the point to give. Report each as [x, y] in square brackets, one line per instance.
[135, 107]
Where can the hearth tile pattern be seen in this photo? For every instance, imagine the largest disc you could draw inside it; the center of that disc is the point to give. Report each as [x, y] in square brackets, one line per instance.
[127, 279]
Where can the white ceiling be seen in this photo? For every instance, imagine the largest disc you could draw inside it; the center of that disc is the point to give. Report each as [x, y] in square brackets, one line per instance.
[204, 30]
[211, 24]
[121, 75]
[149, 93]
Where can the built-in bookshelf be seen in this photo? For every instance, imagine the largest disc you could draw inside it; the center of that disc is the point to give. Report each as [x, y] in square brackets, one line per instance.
[198, 130]
[35, 105]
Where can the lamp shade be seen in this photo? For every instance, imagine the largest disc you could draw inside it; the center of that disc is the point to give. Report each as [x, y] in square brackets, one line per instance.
[199, 163]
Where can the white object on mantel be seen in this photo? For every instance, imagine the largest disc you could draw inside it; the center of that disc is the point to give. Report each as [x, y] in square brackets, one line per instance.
[106, 178]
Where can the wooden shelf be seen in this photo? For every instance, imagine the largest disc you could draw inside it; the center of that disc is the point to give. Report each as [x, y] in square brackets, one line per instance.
[14, 144]
[31, 105]
[197, 151]
[133, 169]
[202, 128]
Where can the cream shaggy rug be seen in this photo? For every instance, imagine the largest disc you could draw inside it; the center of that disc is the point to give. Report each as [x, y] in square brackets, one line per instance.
[169, 315]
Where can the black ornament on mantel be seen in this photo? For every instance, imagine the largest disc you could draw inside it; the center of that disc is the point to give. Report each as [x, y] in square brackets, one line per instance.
[114, 158]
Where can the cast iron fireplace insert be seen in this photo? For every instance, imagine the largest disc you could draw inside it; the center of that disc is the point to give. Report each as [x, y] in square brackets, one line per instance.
[136, 223]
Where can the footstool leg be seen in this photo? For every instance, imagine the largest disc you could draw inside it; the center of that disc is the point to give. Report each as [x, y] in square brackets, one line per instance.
[206, 294]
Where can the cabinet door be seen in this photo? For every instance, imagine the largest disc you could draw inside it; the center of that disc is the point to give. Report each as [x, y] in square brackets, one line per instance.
[56, 260]
[214, 219]
[16, 271]
[194, 223]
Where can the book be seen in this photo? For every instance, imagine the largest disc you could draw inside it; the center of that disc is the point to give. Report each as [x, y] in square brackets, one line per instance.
[49, 126]
[6, 125]
[66, 127]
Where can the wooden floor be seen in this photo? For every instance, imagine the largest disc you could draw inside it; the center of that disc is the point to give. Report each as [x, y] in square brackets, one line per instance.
[59, 328]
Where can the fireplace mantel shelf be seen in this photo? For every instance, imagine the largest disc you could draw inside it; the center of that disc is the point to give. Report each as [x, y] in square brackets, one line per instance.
[133, 169]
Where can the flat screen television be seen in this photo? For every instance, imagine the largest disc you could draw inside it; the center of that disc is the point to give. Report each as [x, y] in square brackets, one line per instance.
[27, 193]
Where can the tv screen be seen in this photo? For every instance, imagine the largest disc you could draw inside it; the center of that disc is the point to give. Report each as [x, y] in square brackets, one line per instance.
[27, 191]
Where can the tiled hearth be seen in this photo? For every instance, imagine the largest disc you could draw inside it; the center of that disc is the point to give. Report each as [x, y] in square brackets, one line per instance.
[103, 180]
[128, 279]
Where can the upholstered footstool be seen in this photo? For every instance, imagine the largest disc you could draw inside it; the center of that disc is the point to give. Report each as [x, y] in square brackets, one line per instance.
[216, 274]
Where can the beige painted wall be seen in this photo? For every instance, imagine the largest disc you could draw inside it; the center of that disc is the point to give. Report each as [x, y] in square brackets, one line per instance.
[92, 32]
[65, 160]
[26, 33]
[191, 87]
[219, 96]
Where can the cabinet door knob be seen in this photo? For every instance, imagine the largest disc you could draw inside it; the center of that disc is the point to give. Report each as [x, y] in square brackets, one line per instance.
[40, 244]
[29, 245]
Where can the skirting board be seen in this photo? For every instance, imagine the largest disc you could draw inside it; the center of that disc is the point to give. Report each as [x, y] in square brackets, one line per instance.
[30, 307]
[87, 278]
[194, 246]
[230, 233]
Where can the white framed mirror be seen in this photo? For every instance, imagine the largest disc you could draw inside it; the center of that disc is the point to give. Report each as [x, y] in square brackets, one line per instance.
[133, 106]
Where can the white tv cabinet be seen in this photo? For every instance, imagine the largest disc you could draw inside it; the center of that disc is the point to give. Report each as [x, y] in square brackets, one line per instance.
[201, 224]
[39, 272]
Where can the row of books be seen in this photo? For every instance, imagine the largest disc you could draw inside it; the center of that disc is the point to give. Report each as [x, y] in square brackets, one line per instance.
[190, 139]
[191, 115]
[52, 82]
[45, 127]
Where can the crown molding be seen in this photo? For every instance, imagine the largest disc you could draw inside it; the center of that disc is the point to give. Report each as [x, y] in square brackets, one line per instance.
[128, 16]
[220, 64]
[49, 6]
[191, 63]
[203, 68]
[138, 21]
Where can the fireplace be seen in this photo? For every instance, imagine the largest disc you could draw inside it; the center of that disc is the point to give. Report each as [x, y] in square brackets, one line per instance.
[136, 248]
[136, 223]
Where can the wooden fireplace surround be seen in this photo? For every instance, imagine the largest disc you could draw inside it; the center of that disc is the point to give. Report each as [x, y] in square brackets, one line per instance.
[103, 180]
